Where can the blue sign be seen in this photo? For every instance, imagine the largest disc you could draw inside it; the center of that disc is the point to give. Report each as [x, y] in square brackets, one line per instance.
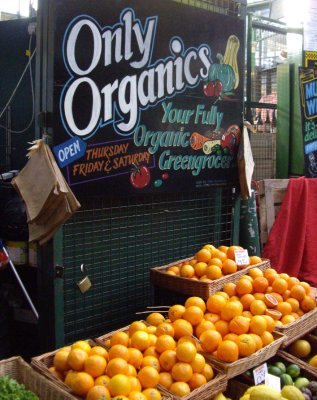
[69, 151]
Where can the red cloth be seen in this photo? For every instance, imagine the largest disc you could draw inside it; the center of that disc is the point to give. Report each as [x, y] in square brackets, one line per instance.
[292, 242]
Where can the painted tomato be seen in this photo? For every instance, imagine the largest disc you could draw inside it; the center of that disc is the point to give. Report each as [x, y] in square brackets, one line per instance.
[209, 89]
[140, 177]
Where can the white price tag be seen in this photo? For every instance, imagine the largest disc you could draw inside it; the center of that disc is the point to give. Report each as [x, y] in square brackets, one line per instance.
[259, 374]
[241, 257]
[273, 381]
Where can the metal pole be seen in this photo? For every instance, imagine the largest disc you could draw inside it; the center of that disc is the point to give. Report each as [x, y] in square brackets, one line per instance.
[8, 139]
[19, 281]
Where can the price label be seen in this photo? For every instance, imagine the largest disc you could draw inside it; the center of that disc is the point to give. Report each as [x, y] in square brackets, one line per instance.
[273, 381]
[259, 374]
[241, 257]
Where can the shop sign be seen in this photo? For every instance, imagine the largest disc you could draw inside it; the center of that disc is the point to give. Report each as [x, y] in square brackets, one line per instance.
[154, 92]
[308, 96]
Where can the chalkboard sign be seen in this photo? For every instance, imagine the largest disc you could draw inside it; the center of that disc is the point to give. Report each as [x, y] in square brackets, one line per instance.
[147, 95]
[308, 96]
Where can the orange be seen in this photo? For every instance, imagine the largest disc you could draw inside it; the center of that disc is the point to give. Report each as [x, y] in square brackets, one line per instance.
[95, 365]
[267, 338]
[231, 309]
[60, 360]
[213, 272]
[284, 307]
[174, 269]
[136, 326]
[198, 363]
[239, 325]
[76, 359]
[152, 394]
[180, 389]
[228, 351]
[292, 281]
[165, 380]
[152, 362]
[298, 292]
[155, 318]
[284, 275]
[176, 312]
[246, 300]
[165, 342]
[187, 271]
[306, 286]
[210, 340]
[186, 352]
[119, 350]
[182, 328]
[243, 286]
[287, 319]
[187, 338]
[230, 288]
[277, 296]
[120, 338]
[258, 324]
[56, 373]
[135, 357]
[102, 380]
[194, 315]
[231, 250]
[167, 359]
[275, 314]
[279, 285]
[195, 301]
[230, 336]
[223, 248]
[200, 269]
[247, 314]
[209, 247]
[165, 328]
[136, 395]
[229, 267]
[212, 317]
[140, 340]
[96, 393]
[270, 300]
[153, 339]
[255, 272]
[257, 307]
[246, 345]
[270, 323]
[254, 260]
[148, 377]
[203, 326]
[259, 296]
[215, 261]
[219, 254]
[168, 272]
[135, 384]
[208, 372]
[294, 303]
[222, 327]
[117, 366]
[119, 385]
[192, 262]
[286, 294]
[81, 344]
[182, 372]
[70, 375]
[196, 381]
[101, 351]
[260, 284]
[203, 255]
[257, 340]
[215, 303]
[308, 303]
[82, 383]
[150, 351]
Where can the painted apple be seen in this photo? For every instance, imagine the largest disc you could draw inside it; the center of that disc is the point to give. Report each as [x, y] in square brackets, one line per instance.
[140, 177]
[209, 89]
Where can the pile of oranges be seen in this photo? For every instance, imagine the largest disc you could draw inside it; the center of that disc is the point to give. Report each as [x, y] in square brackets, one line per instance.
[211, 263]
[132, 363]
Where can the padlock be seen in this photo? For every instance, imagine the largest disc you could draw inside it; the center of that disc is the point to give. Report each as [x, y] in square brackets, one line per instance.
[85, 283]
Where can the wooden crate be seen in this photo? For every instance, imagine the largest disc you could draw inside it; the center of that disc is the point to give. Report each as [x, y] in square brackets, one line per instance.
[191, 287]
[23, 373]
[271, 194]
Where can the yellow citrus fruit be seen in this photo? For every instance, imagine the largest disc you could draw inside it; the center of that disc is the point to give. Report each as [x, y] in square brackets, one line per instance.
[119, 338]
[95, 365]
[82, 383]
[76, 359]
[149, 377]
[60, 360]
[97, 393]
[119, 385]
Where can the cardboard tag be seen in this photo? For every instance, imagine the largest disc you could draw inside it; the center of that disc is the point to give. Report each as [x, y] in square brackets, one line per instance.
[241, 257]
[273, 381]
[259, 373]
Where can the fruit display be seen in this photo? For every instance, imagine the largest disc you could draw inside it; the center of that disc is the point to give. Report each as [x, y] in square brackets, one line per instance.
[265, 392]
[210, 263]
[304, 350]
